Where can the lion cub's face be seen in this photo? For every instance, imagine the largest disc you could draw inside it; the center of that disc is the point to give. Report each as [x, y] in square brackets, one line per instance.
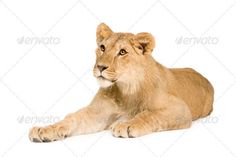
[119, 56]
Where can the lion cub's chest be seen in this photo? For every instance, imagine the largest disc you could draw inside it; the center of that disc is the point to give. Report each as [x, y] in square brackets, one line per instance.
[131, 104]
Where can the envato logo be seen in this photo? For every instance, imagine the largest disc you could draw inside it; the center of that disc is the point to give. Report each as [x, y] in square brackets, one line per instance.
[37, 119]
[209, 120]
[38, 40]
[197, 40]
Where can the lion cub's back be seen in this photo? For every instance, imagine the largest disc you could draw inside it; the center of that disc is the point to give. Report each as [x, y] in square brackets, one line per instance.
[194, 89]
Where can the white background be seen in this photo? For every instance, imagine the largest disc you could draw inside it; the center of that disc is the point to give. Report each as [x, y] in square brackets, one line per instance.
[42, 81]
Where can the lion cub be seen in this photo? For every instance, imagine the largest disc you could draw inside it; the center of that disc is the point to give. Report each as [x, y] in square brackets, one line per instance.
[138, 95]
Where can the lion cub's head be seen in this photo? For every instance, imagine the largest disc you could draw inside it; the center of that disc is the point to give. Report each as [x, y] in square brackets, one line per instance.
[120, 57]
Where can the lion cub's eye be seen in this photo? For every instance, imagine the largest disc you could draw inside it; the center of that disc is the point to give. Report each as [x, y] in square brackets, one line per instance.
[102, 47]
[122, 52]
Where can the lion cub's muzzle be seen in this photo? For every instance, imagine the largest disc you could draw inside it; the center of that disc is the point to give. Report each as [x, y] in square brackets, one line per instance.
[101, 68]
[104, 76]
[99, 71]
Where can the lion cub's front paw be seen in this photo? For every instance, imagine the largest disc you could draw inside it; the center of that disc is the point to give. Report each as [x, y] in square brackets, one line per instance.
[48, 134]
[128, 130]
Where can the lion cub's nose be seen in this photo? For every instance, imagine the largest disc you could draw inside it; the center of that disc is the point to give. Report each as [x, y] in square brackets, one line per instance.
[102, 67]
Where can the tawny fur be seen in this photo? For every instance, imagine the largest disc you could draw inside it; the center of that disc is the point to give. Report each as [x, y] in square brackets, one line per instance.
[138, 96]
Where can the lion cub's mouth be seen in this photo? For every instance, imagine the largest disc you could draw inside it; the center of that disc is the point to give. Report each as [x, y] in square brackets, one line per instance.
[104, 82]
[105, 79]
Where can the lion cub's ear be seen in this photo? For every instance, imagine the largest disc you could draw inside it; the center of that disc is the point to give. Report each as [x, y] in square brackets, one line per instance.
[147, 42]
[103, 31]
